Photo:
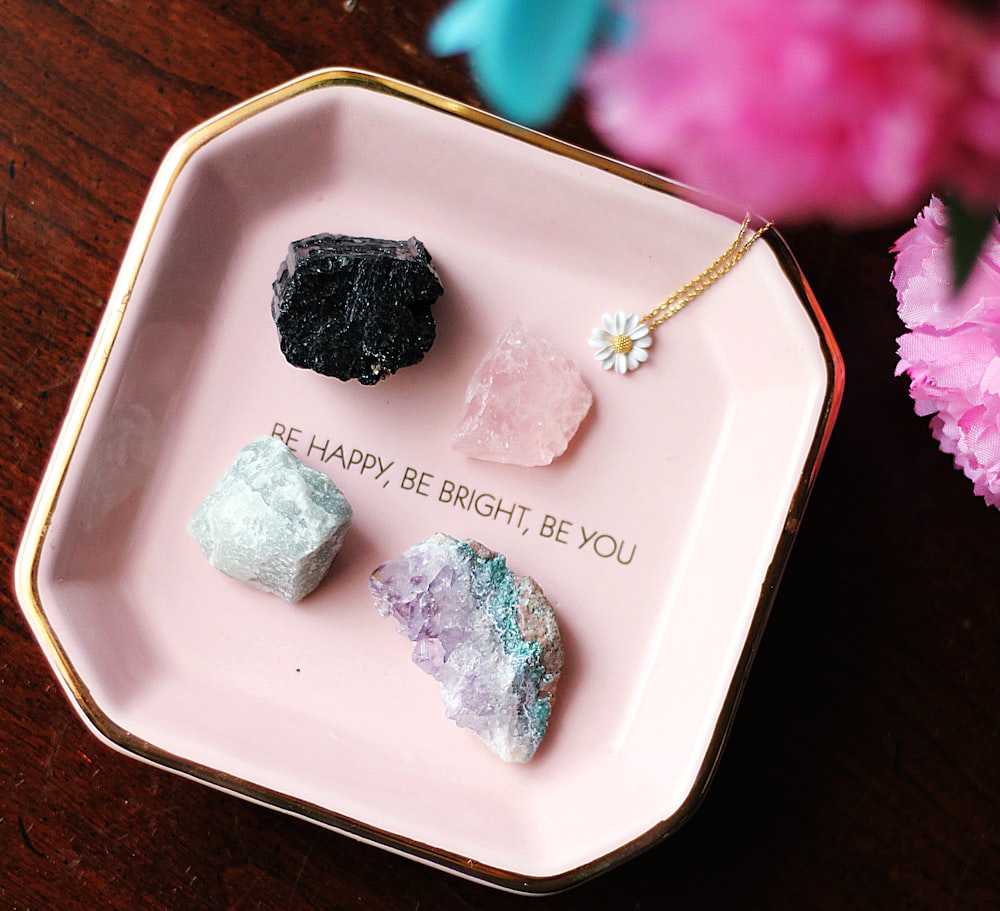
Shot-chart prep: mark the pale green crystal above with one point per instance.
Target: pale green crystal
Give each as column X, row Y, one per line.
column 272, row 522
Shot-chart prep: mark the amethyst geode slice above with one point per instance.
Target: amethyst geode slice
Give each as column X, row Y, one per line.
column 355, row 307
column 488, row 636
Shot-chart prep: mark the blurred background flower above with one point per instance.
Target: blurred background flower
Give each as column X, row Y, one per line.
column 798, row 109
column 526, row 55
column 847, row 110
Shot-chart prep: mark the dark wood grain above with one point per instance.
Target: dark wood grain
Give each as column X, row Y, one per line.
column 862, row 768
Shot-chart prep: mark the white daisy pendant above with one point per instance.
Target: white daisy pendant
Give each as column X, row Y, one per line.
column 622, row 342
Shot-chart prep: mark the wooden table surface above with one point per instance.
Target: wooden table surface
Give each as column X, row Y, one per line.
column 862, row 768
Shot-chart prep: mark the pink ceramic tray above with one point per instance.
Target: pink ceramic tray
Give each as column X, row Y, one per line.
column 659, row 537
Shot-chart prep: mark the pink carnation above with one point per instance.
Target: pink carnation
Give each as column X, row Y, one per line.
column 851, row 109
column 952, row 351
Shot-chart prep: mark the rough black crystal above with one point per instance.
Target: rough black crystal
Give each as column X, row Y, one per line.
column 355, row 307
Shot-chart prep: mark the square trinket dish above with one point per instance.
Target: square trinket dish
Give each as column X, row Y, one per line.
column 659, row 537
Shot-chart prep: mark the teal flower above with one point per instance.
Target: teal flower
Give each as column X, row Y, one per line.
column 524, row 54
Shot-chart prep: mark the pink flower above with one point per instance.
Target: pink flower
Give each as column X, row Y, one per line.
column 850, row 109
column 952, row 351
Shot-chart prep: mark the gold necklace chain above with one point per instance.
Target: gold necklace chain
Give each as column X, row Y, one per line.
column 683, row 296
column 623, row 340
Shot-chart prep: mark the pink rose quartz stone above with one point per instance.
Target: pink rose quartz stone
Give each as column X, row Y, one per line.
column 524, row 404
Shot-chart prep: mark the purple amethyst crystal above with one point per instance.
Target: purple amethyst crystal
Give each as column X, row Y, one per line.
column 488, row 636
column 355, row 307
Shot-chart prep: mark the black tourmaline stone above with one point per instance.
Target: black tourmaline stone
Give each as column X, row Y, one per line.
column 355, row 307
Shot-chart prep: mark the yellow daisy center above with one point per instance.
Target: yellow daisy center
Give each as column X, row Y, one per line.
column 621, row 344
